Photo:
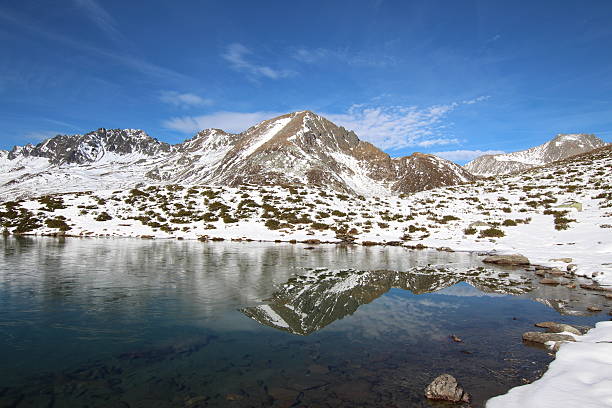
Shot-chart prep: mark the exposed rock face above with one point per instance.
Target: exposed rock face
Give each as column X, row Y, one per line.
column 515, row 259
column 561, row 147
column 420, row 171
column 446, row 388
column 296, row 148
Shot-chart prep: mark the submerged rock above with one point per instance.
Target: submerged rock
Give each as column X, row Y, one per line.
column 553, row 327
column 514, row 259
column 566, row 260
column 446, row 388
column 556, row 272
column 549, row 281
column 539, row 337
column 595, row 287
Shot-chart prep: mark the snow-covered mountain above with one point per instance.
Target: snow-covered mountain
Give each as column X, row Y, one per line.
column 296, row 148
column 561, row 147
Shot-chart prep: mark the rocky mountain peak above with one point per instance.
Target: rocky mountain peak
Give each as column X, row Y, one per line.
column 295, row 148
column 560, row 147
column 92, row 146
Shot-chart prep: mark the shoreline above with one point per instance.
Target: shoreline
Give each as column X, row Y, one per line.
column 498, row 401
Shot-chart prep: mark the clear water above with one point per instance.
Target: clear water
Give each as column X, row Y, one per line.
column 130, row 323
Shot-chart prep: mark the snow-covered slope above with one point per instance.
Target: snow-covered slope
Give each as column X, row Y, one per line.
column 562, row 210
column 580, row 376
column 561, row 147
column 296, row 148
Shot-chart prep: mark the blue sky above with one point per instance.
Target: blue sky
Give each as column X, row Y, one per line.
column 458, row 77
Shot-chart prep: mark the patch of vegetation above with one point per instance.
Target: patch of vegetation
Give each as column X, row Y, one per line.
column 470, row 231
column 491, row 233
column 57, row 222
column 319, row 226
column 560, row 219
column 52, row 203
column 272, row 224
column 27, row 224
column 103, row 216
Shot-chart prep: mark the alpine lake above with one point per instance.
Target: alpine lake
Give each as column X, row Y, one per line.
column 167, row 323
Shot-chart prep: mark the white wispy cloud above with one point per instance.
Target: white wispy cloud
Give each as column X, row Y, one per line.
column 476, row 100
column 343, row 56
column 311, row 56
column 183, row 100
column 465, row 155
column 40, row 135
column 237, row 55
column 389, row 128
column 437, row 142
column 397, row 127
column 234, row 122
column 101, row 18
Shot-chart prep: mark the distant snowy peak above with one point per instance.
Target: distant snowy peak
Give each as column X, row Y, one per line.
column 93, row 147
column 560, row 147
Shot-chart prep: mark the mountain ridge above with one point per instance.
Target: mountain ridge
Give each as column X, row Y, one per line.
column 299, row 147
column 560, row 147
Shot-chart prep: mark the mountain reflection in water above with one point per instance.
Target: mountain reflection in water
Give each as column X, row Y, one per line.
column 307, row 303
column 125, row 322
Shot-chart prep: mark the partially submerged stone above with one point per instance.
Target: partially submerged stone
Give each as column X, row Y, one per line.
column 556, row 272
column 514, row 259
column 542, row 338
column 446, row 388
column 549, row 281
column 565, row 260
column 595, row 287
column 553, row 327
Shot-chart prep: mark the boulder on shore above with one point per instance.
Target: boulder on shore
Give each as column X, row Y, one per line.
column 514, row 259
column 446, row 388
column 539, row 337
column 553, row 327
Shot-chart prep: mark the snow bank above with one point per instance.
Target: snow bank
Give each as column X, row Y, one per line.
column 580, row 376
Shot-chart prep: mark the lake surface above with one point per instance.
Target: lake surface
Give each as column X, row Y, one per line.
column 137, row 323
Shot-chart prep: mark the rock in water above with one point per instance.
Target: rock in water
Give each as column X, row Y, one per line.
column 515, row 259
column 539, row 337
column 446, row 388
column 554, row 327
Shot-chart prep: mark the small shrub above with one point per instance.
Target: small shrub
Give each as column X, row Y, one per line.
column 272, row 224
column 491, row 233
column 103, row 216
column 57, row 222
